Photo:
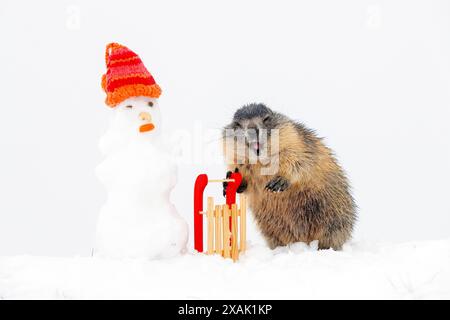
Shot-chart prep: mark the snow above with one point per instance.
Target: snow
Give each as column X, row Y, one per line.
column 138, row 219
column 415, row 270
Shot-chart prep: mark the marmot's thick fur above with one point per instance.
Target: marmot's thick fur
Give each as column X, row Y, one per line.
column 308, row 198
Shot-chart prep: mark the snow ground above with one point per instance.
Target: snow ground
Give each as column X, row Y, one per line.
column 416, row 270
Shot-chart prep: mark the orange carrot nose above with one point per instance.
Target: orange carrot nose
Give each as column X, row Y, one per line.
column 145, row 116
column 146, row 127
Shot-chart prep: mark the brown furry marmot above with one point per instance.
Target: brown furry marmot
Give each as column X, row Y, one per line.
column 307, row 198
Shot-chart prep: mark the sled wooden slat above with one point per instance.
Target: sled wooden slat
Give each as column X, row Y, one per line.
column 226, row 231
column 234, row 233
column 218, row 230
column 221, row 180
column 243, row 223
column 210, row 219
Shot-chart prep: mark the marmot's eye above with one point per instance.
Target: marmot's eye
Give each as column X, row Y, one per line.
column 129, row 106
column 237, row 125
column 150, row 104
column 266, row 119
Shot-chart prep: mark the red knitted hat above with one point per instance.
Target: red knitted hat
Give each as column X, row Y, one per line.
column 126, row 76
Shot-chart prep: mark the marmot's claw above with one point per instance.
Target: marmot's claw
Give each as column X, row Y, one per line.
column 277, row 184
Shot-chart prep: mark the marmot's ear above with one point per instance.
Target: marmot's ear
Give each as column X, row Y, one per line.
column 269, row 111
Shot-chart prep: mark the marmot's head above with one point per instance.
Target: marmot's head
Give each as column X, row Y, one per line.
column 251, row 129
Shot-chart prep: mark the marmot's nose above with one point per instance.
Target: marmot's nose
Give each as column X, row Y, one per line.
column 145, row 116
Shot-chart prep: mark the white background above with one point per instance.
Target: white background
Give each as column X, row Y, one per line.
column 372, row 77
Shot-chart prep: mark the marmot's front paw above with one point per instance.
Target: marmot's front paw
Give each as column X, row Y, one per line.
column 242, row 187
column 277, row 184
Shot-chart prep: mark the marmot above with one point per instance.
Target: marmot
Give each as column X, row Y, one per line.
column 308, row 198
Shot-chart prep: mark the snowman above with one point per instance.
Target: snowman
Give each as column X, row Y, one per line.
column 138, row 220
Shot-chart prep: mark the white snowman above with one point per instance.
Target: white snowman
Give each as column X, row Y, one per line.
column 138, row 220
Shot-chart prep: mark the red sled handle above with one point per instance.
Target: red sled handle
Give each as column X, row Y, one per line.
column 232, row 188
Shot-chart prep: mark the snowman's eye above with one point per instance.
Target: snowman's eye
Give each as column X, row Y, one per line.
column 129, row 106
column 150, row 104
